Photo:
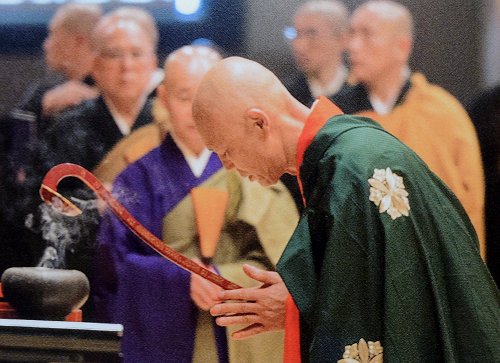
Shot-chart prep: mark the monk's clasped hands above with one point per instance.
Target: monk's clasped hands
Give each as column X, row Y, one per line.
column 260, row 309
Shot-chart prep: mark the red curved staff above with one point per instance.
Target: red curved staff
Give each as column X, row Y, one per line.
column 49, row 194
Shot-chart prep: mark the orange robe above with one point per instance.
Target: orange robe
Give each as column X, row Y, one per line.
column 436, row 126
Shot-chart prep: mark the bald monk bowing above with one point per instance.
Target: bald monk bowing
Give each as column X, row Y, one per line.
column 384, row 263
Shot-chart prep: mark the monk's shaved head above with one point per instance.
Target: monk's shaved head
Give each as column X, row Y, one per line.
column 189, row 60
column 335, row 12
column 183, row 71
column 246, row 115
column 396, row 16
column 380, row 44
column 237, row 84
column 193, row 57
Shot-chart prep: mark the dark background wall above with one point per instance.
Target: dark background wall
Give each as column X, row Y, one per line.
column 451, row 36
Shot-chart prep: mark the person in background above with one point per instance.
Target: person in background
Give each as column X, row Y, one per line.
column 134, row 146
column 142, row 140
column 318, row 41
column 125, row 59
column 384, row 263
column 424, row 116
column 149, row 25
column 162, row 307
column 69, row 57
column 484, row 111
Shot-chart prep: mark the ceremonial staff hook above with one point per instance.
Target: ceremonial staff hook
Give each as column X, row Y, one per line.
column 49, row 194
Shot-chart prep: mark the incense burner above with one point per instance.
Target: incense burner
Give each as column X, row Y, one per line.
column 41, row 293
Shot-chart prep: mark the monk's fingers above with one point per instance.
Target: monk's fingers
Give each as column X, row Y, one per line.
column 248, row 332
column 237, row 319
column 249, row 294
column 203, row 293
column 203, row 301
column 229, row 308
column 202, row 304
column 265, row 277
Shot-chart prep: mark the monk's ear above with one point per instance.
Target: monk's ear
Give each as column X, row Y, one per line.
column 258, row 118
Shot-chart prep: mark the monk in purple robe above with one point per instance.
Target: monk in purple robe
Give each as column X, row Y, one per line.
column 164, row 309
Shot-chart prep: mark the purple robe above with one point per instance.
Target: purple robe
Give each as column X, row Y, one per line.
column 136, row 287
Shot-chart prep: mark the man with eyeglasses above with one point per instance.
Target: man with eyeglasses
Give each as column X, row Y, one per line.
column 124, row 42
column 125, row 60
column 136, row 287
column 318, row 41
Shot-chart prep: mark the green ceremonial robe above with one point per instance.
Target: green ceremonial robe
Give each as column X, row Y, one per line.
column 416, row 284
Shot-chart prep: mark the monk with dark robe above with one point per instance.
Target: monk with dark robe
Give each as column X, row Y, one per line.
column 384, row 264
column 318, row 41
column 134, row 146
column 164, row 309
column 68, row 56
column 124, row 42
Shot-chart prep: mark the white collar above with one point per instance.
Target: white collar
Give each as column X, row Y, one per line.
column 384, row 108
column 197, row 164
column 120, row 121
column 381, row 107
column 332, row 87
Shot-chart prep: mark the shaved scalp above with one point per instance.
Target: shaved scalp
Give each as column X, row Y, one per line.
column 237, row 84
column 187, row 60
column 193, row 57
column 393, row 12
column 332, row 10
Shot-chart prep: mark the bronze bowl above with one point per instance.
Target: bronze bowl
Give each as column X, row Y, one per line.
column 42, row 293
